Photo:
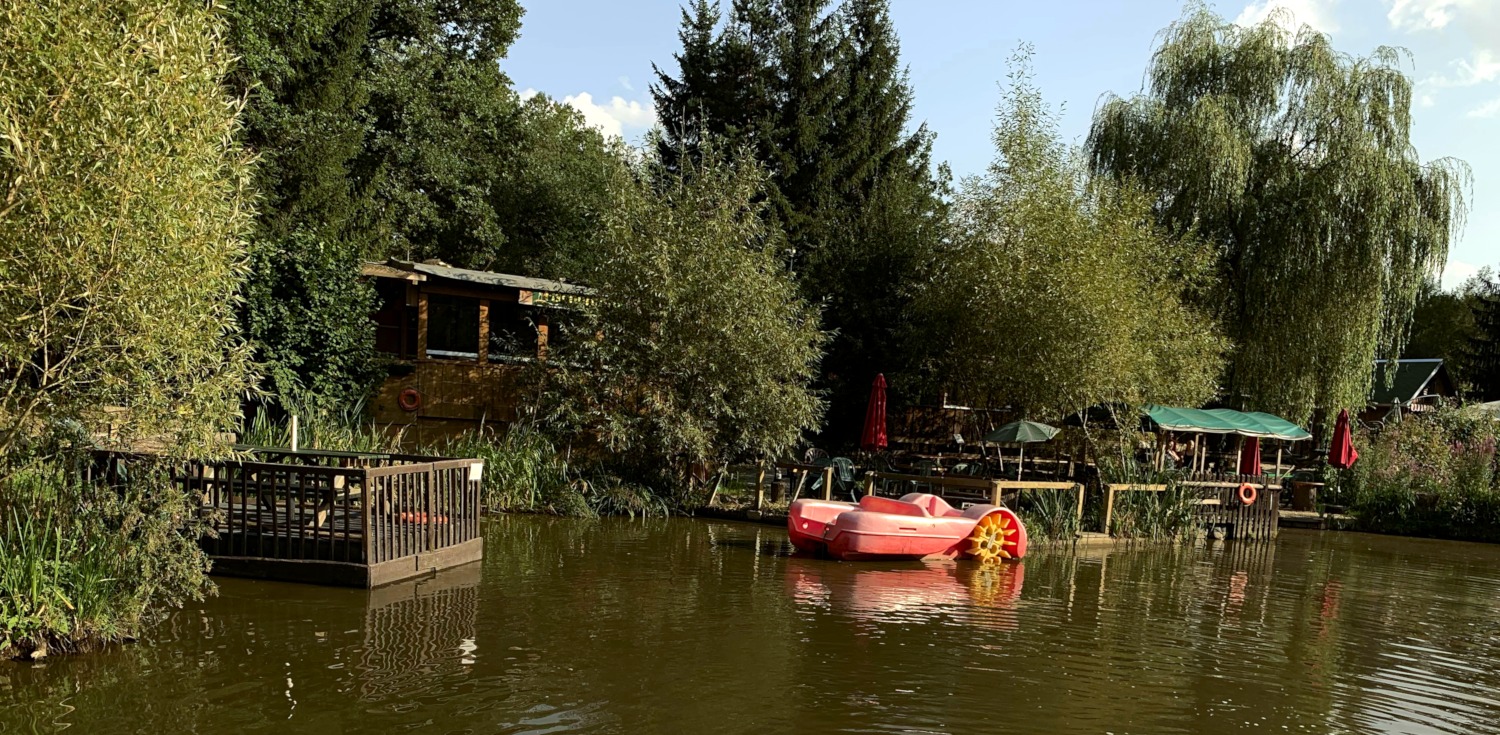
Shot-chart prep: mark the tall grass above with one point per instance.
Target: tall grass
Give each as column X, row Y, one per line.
column 1143, row 514
column 525, row 472
column 82, row 564
column 1049, row 515
column 341, row 428
column 524, row 469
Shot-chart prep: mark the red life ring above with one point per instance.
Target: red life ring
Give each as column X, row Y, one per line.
column 409, row 400
column 1248, row 494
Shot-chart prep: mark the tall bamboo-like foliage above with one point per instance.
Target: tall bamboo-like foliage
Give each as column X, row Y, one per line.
column 1296, row 161
column 1058, row 295
column 698, row 347
column 123, row 212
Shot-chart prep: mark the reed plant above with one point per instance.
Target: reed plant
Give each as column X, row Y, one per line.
column 83, row 563
column 341, row 428
column 1048, row 515
column 1156, row 515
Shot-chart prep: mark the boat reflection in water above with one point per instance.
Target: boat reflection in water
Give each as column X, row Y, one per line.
column 916, row 592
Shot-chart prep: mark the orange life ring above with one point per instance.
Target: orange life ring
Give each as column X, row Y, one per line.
column 1248, row 494
column 409, row 400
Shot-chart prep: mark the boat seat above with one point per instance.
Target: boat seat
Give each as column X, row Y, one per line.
column 877, row 504
column 934, row 505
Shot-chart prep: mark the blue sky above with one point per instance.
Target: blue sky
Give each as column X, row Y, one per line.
column 597, row 55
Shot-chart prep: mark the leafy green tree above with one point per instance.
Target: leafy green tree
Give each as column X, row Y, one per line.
column 1296, row 162
column 553, row 191
column 124, row 206
column 302, row 67
column 1058, row 295
column 698, row 347
column 124, row 212
column 1442, row 326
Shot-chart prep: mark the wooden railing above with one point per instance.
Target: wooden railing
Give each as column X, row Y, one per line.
column 969, row 489
column 799, row 470
column 327, row 507
column 416, row 508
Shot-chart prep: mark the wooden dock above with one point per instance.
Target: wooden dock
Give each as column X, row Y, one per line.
column 338, row 518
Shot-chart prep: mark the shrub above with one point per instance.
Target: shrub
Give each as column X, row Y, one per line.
column 83, row 563
column 1428, row 476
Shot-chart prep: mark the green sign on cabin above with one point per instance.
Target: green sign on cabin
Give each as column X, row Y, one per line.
column 553, row 300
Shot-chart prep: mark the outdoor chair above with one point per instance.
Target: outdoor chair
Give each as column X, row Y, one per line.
column 843, row 478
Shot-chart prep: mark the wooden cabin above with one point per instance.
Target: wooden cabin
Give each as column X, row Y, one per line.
column 457, row 340
column 1408, row 386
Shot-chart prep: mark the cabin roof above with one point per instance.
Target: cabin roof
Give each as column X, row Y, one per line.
column 417, row 272
column 1410, row 379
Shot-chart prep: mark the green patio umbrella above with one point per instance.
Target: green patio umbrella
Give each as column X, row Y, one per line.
column 1021, row 432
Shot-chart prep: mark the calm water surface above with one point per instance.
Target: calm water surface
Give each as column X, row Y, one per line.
column 687, row 626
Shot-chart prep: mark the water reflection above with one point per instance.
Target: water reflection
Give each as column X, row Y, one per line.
column 260, row 652
column 915, row 592
column 686, row 626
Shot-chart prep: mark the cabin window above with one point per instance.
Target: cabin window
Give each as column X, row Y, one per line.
column 395, row 320
column 452, row 327
column 512, row 332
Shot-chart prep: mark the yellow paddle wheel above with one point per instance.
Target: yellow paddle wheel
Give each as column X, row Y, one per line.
column 997, row 537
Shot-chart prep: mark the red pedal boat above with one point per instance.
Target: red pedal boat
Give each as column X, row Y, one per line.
column 917, row 526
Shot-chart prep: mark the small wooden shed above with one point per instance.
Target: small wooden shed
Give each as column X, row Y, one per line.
column 457, row 340
column 1407, row 386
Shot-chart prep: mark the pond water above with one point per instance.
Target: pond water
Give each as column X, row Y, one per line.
column 683, row 626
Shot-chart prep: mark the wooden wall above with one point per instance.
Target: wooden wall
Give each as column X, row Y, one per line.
column 456, row 397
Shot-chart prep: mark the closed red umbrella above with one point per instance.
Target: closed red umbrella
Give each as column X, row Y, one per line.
column 873, row 438
column 1341, row 453
column 1250, row 457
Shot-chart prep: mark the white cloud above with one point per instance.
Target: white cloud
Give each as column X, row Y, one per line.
column 1421, row 15
column 1483, row 67
column 1457, row 272
column 625, row 82
column 614, row 117
column 1488, row 109
column 1426, row 100
column 1315, row 13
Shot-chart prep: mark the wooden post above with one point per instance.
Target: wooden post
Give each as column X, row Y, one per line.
column 421, row 326
column 1109, row 506
column 1279, row 445
column 828, row 482
column 543, row 330
column 801, row 480
column 869, row 483
column 760, row 486
column 1079, row 487
column 994, row 492
column 484, row 331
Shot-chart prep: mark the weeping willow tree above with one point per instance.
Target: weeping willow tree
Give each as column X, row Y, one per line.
column 1059, row 294
column 1296, row 161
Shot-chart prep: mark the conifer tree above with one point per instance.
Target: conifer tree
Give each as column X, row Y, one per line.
column 820, row 98
column 1483, row 354
column 684, row 106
